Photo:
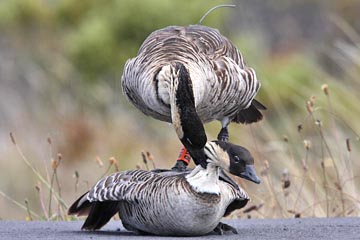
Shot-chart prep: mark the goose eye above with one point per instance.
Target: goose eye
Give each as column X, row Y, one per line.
column 237, row 159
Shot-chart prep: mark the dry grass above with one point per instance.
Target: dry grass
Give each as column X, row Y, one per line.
column 310, row 175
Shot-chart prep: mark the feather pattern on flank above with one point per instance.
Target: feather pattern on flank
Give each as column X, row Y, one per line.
column 185, row 204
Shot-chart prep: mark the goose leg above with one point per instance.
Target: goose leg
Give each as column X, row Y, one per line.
column 223, row 228
column 224, row 133
column 182, row 161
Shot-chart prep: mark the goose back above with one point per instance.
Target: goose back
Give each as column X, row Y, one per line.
column 221, row 82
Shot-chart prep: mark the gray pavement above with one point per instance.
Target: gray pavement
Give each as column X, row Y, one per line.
column 309, row 228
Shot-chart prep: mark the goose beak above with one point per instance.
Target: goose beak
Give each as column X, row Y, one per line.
column 250, row 174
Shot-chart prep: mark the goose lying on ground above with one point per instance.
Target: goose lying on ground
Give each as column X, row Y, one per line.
column 183, row 204
column 222, row 86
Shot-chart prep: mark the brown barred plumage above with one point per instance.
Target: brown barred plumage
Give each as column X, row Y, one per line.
column 169, row 203
column 223, row 86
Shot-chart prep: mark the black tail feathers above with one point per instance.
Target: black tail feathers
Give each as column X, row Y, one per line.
column 250, row 114
column 99, row 213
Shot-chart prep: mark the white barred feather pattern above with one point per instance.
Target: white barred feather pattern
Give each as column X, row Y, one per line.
column 165, row 203
column 222, row 84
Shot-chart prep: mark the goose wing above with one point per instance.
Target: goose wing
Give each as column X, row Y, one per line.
column 102, row 201
column 119, row 186
column 126, row 185
column 233, row 81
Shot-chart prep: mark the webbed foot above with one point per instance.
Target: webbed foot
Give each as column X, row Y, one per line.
column 223, row 228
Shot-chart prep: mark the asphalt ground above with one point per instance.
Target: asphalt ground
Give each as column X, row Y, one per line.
column 307, row 228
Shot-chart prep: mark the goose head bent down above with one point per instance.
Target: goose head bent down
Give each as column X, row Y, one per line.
column 189, row 128
column 221, row 86
column 185, row 204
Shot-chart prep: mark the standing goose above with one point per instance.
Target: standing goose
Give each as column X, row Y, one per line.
column 182, row 204
column 220, row 86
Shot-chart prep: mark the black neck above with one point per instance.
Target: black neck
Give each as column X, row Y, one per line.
column 194, row 137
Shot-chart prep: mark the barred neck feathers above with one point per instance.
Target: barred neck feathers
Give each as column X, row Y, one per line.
column 207, row 180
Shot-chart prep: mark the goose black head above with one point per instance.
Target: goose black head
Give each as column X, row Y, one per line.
column 241, row 162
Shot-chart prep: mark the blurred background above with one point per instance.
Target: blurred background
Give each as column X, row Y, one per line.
column 61, row 63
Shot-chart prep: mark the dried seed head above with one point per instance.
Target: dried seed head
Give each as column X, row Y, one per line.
column 285, row 179
column 76, row 174
column 322, row 164
column 307, row 144
column 37, row 187
column 286, row 184
column 49, row 140
column 59, row 156
column 309, row 107
column 138, row 166
column 113, row 161
column 285, row 138
column 99, row 162
column 144, row 157
column 296, row 214
column 312, row 100
column 325, row 89
column 318, row 122
column 299, row 128
column 338, row 186
column 348, row 145
column 149, row 156
column 54, row 164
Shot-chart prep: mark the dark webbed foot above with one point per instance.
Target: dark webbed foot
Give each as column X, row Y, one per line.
column 223, row 135
column 223, row 228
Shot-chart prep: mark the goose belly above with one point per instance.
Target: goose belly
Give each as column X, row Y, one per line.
column 177, row 217
column 211, row 102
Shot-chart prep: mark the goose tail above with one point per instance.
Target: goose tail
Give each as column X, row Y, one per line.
column 251, row 114
column 81, row 207
column 99, row 213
